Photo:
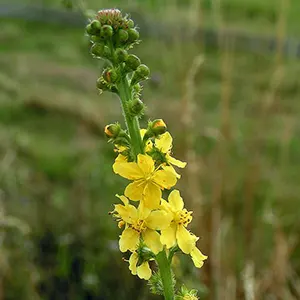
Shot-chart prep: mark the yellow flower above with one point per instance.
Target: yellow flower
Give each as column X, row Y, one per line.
column 147, row 181
column 177, row 231
column 164, row 145
column 142, row 223
column 143, row 271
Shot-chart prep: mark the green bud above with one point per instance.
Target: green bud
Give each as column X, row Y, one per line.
column 133, row 62
column 122, row 35
column 130, row 23
column 97, row 50
column 106, row 31
column 121, row 55
column 142, row 72
column 155, row 128
column 133, row 35
column 106, row 52
column 136, row 107
column 89, row 29
column 96, row 39
column 112, row 130
column 110, row 76
column 96, row 26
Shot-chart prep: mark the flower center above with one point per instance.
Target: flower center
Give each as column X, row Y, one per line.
column 183, row 217
column 139, row 226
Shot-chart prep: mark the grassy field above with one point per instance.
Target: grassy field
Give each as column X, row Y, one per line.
column 235, row 117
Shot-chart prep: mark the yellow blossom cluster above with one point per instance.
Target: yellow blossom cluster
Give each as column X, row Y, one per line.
column 150, row 221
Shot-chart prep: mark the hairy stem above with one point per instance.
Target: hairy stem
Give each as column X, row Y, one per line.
column 166, row 275
column 132, row 123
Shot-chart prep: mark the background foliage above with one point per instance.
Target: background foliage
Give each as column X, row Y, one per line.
column 230, row 96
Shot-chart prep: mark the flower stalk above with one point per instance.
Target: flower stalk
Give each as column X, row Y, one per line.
column 166, row 275
column 132, row 122
column 152, row 228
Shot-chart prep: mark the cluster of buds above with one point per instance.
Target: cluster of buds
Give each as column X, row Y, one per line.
column 112, row 35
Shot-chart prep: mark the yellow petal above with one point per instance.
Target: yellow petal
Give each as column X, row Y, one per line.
column 144, row 211
column 168, row 236
column 175, row 201
column 144, row 271
column 133, row 259
column 123, row 199
column 146, row 164
column 164, row 142
column 158, row 219
column 134, row 190
column 129, row 170
column 197, row 257
column 128, row 213
column 185, row 239
column 152, row 240
column 165, row 178
column 165, row 206
column 151, row 195
column 175, row 162
column 129, row 240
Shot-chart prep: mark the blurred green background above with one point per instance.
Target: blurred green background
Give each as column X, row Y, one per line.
column 225, row 78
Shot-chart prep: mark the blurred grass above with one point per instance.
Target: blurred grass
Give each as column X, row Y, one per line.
column 59, row 179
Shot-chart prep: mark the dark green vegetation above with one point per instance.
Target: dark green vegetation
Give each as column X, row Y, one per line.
column 55, row 164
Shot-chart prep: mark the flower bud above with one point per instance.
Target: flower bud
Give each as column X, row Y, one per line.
column 136, row 107
column 157, row 127
column 96, row 26
column 121, row 55
column 122, row 35
column 142, row 72
column 97, row 49
column 93, row 28
column 130, row 23
column 133, row 35
column 133, row 62
column 110, row 76
column 112, row 130
column 106, row 32
column 96, row 39
column 106, row 52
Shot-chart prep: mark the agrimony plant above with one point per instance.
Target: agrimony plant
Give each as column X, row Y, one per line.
column 153, row 229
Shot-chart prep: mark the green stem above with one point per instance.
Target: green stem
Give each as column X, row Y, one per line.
column 166, row 275
column 132, row 123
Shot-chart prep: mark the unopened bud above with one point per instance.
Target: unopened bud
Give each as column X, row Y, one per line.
column 122, row 35
column 106, row 31
column 96, row 39
column 142, row 72
column 110, row 76
column 121, row 55
column 96, row 25
column 112, row 130
column 133, row 35
column 157, row 127
column 97, row 49
column 136, row 107
column 130, row 23
column 93, row 28
column 133, row 62
column 106, row 52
